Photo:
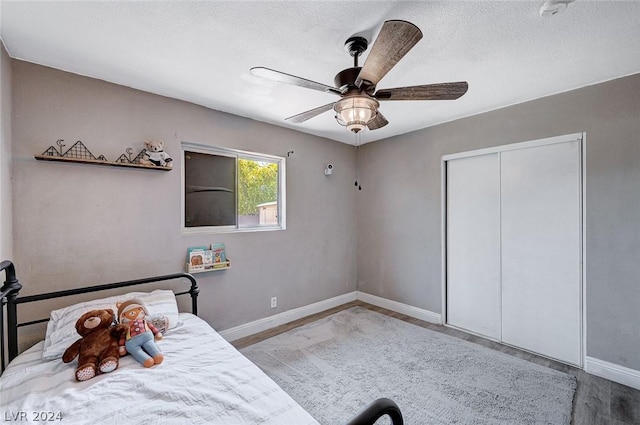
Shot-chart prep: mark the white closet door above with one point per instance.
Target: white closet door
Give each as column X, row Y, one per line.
column 541, row 289
column 473, row 244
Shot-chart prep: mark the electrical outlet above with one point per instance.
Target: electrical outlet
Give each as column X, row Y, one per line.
column 274, row 302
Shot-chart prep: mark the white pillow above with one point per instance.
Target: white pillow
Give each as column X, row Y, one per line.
column 61, row 329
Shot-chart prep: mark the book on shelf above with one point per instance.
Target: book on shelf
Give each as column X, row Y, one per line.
column 196, row 257
column 219, row 254
column 207, row 259
column 195, row 248
column 220, row 265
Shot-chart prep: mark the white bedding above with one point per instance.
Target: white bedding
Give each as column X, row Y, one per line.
column 203, row 380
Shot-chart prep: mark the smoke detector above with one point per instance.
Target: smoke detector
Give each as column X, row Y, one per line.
column 553, row 7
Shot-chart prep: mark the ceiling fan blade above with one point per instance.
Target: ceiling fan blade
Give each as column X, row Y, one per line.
column 310, row 113
column 442, row 91
column 396, row 38
column 281, row 77
column 378, row 122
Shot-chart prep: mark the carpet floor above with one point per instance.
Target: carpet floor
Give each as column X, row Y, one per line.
column 337, row 365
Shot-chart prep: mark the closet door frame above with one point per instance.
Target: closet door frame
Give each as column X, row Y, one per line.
column 581, row 138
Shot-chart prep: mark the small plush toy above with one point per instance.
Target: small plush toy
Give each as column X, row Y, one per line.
column 161, row 323
column 140, row 336
column 97, row 350
column 155, row 155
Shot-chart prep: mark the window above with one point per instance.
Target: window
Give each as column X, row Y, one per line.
column 228, row 190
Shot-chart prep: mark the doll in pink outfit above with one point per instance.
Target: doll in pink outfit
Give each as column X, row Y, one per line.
column 140, row 338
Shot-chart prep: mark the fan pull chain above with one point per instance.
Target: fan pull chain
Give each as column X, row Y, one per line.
column 358, row 160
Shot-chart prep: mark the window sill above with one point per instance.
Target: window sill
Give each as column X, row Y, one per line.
column 213, row 230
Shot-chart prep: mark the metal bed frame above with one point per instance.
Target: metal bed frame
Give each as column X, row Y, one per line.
column 9, row 302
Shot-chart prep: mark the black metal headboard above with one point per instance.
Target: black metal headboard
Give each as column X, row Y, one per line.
column 9, row 299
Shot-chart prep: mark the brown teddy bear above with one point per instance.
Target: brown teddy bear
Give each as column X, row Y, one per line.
column 97, row 350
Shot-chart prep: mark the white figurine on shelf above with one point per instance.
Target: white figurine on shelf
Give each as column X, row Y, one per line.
column 155, row 155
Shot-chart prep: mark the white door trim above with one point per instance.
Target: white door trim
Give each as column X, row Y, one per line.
column 515, row 146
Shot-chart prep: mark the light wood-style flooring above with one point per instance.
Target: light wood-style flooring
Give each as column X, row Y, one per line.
column 597, row 401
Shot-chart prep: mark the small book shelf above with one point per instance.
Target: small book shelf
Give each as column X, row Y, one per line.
column 207, row 258
column 209, row 268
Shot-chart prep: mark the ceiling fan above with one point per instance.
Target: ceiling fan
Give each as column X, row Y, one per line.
column 359, row 103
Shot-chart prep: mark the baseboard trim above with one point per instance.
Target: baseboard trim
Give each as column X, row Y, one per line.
column 418, row 313
column 613, row 372
column 261, row 325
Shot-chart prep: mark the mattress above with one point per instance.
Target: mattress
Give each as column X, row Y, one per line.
column 203, row 380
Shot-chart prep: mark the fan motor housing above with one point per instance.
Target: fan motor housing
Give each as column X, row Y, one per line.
column 345, row 80
column 346, row 77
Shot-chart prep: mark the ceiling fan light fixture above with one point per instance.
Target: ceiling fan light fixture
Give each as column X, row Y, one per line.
column 355, row 112
column 357, row 86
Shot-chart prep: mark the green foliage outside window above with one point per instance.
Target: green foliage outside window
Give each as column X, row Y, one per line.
column 257, row 184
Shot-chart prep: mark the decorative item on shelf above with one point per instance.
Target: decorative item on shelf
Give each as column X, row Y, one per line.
column 126, row 158
column 155, row 155
column 207, row 258
column 78, row 151
column 81, row 154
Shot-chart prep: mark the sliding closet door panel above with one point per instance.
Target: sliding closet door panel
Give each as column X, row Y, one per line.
column 541, row 289
column 473, row 244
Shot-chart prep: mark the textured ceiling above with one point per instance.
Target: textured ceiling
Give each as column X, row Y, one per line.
column 201, row 52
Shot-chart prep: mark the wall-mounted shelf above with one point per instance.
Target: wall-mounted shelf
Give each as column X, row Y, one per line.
column 99, row 162
column 211, row 268
column 80, row 154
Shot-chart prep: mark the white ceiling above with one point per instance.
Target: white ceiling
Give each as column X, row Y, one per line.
column 202, row 51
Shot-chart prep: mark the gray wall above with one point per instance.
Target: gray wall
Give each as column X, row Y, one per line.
column 6, row 240
column 78, row 225
column 399, row 245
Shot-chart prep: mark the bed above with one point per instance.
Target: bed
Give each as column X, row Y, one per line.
column 203, row 378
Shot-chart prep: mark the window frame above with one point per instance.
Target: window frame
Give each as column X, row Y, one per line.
column 234, row 153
